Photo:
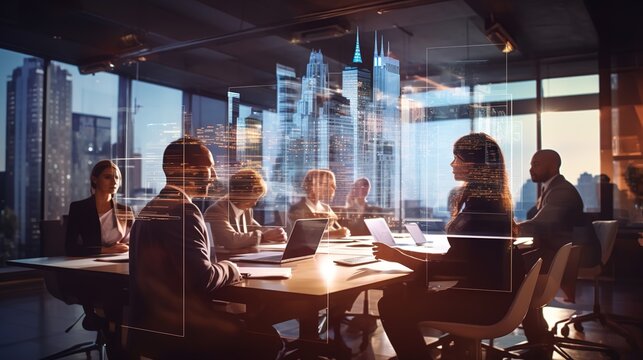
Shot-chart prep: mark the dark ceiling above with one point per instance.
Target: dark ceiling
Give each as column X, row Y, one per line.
column 207, row 46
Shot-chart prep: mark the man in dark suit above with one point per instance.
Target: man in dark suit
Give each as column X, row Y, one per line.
column 557, row 219
column 172, row 279
column 231, row 219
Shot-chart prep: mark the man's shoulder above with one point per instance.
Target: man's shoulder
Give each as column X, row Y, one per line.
column 82, row 203
column 560, row 184
column 217, row 209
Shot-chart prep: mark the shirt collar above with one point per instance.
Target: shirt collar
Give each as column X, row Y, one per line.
column 314, row 207
column 546, row 183
column 237, row 212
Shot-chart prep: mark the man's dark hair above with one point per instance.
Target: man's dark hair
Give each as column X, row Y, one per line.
column 186, row 151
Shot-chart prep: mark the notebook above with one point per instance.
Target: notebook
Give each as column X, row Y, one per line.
column 302, row 244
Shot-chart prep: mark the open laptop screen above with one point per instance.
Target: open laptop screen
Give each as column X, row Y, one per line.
column 305, row 237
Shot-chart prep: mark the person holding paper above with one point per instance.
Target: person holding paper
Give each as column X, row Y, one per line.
column 319, row 185
column 231, row 219
column 482, row 207
column 173, row 280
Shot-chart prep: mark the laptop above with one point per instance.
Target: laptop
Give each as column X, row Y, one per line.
column 302, row 244
column 417, row 235
column 382, row 233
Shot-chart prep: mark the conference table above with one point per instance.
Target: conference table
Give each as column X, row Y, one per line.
column 318, row 283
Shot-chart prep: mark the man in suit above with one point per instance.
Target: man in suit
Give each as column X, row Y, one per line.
column 319, row 186
column 557, row 219
column 231, row 219
column 173, row 281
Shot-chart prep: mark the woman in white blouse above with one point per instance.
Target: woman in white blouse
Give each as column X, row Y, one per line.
column 98, row 224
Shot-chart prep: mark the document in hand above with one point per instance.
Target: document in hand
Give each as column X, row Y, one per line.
column 265, row 272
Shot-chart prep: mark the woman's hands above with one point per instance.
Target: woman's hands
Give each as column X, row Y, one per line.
column 384, row 252
column 342, row 232
column 115, row 249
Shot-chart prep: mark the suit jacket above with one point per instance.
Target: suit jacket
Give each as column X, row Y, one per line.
column 559, row 220
column 224, row 227
column 170, row 269
column 83, row 236
column 300, row 210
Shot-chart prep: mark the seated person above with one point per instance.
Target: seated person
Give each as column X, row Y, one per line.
column 482, row 207
column 357, row 208
column 319, row 186
column 98, row 225
column 173, row 282
column 233, row 225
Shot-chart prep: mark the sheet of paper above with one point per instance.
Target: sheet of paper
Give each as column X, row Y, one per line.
column 266, row 272
column 124, row 257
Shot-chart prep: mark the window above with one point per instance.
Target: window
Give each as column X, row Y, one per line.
column 580, row 153
column 21, row 115
column 81, row 121
column 157, row 115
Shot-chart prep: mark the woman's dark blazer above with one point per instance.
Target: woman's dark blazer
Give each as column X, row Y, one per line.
column 83, row 227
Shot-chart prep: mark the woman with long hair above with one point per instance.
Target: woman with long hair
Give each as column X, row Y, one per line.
column 481, row 206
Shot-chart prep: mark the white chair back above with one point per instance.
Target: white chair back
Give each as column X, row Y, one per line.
column 548, row 284
column 606, row 232
column 507, row 324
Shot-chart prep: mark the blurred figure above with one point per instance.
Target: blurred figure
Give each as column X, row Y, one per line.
column 172, row 280
column 319, row 186
column 482, row 206
column 231, row 219
column 357, row 208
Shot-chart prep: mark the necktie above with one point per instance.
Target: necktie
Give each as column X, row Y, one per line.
column 243, row 221
column 539, row 203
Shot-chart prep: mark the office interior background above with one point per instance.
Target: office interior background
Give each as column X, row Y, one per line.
column 370, row 89
column 376, row 89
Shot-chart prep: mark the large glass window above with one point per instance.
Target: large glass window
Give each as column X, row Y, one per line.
column 81, row 120
column 157, row 115
column 21, row 116
column 580, row 153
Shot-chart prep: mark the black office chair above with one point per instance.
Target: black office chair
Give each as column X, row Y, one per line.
column 53, row 238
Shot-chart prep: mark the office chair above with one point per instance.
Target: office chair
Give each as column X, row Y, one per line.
column 473, row 334
column 546, row 289
column 606, row 232
column 53, row 238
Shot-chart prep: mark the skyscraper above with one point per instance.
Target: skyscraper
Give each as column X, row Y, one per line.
column 356, row 87
column 90, row 143
column 25, row 96
column 58, row 160
column 341, row 148
column 250, row 141
column 383, row 128
column 288, row 170
column 312, row 112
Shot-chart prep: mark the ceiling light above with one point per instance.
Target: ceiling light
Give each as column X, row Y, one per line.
column 501, row 38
